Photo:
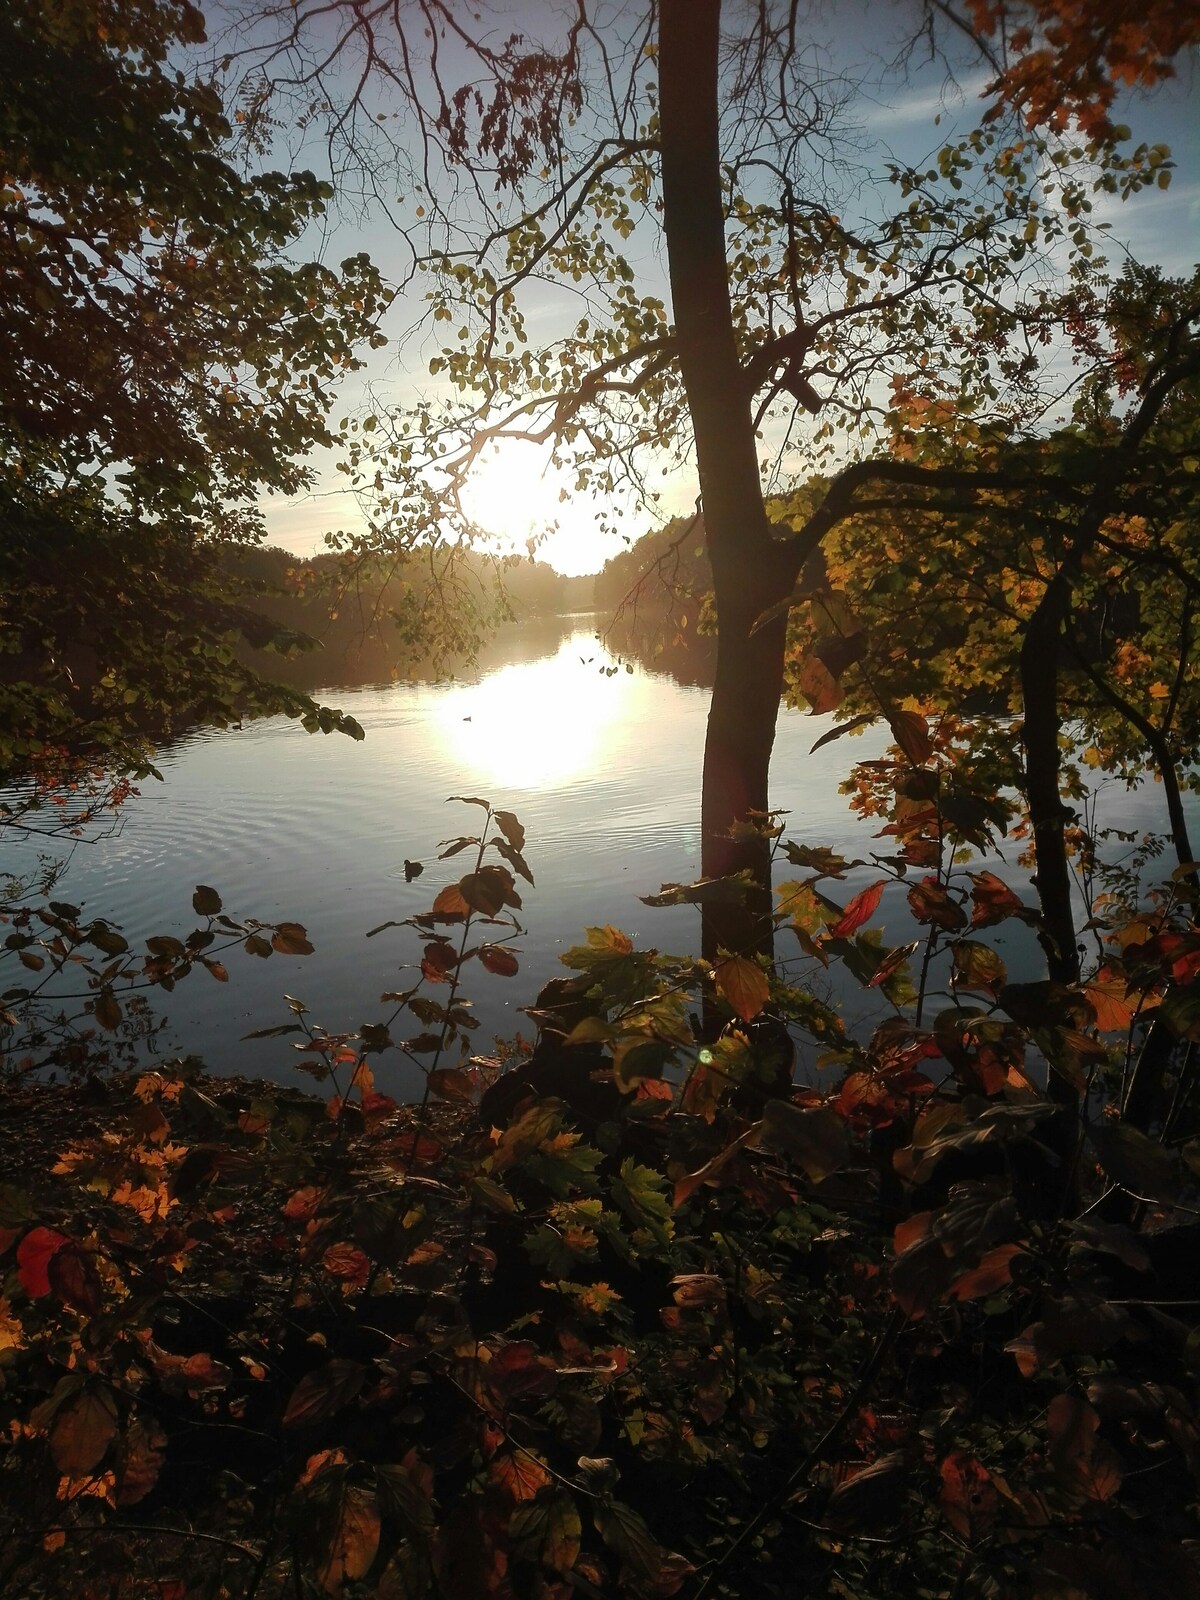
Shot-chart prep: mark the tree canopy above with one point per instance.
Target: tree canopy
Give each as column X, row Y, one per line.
column 166, row 359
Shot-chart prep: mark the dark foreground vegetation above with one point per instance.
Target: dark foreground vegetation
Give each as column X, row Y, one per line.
column 627, row 1312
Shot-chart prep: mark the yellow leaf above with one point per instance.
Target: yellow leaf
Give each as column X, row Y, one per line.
column 743, row 983
column 354, row 1542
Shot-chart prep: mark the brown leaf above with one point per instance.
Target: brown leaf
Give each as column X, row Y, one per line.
column 518, row 1474
column 563, row 1530
column 322, row 1392
column 992, row 900
column 107, row 1009
column 140, row 1461
column 449, row 905
column 992, row 1273
column 82, row 1431
column 489, row 890
column 347, row 1262
column 1084, row 1464
column 872, row 1499
column 291, row 939
column 743, row 984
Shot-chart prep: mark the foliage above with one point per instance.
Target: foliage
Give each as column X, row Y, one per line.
column 649, row 1321
column 165, row 362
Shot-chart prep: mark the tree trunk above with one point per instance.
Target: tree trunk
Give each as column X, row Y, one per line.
column 751, row 570
column 1039, row 693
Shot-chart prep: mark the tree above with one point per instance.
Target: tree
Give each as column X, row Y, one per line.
column 792, row 306
column 164, row 361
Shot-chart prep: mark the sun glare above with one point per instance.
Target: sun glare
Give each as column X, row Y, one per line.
column 540, row 724
column 515, row 496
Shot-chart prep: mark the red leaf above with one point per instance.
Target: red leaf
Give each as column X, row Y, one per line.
column 861, row 909
column 930, row 902
column 969, row 1499
column 496, row 958
column 34, row 1254
column 72, row 1275
column 992, row 900
column 911, row 733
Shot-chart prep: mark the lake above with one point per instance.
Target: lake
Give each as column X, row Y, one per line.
column 602, row 769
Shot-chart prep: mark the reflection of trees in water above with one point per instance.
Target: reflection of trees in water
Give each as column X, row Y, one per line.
column 406, row 621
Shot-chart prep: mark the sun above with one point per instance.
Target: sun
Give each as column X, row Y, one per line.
column 517, row 494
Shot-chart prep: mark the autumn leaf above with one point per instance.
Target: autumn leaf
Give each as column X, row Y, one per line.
column 930, row 902
column 353, row 1541
column 449, row 906
column 140, row 1460
column 347, row 1262
column 107, row 1009
column 1107, row 993
column 873, row 1499
column 82, row 1431
column 33, row 1259
column 72, row 1276
column 992, row 900
column 911, row 733
column 968, row 1498
column 814, row 1136
column 861, row 909
column 322, row 1392
column 518, row 1474
column 560, row 1551
column 496, row 958
column 977, row 966
column 206, row 902
column 818, row 686
column 291, row 939
column 1084, row 1464
column 742, row 983
column 489, row 890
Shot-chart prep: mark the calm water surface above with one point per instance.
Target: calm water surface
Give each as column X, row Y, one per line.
column 602, row 770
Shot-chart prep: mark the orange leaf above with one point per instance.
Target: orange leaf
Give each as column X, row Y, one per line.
column 1107, row 992
column 742, row 983
column 347, row 1262
column 450, row 905
column 519, row 1475
column 992, row 1273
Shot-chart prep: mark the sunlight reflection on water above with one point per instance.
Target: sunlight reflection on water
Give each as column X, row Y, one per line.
column 602, row 770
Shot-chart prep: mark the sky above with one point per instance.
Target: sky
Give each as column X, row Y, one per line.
column 514, row 495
